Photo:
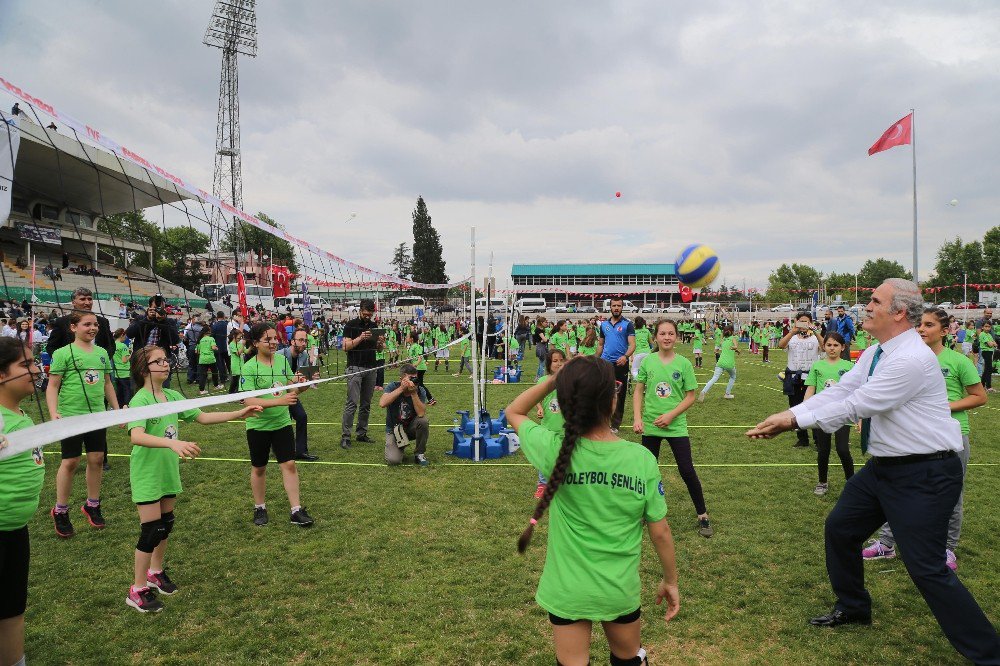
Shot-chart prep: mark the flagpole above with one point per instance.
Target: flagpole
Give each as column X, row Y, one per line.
column 913, row 146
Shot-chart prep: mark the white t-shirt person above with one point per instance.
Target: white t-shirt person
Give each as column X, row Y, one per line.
column 802, row 352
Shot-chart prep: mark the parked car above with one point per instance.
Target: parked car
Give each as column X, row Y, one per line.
column 675, row 309
column 966, row 305
column 784, row 307
column 561, row 309
column 647, row 309
column 445, row 308
column 589, row 309
column 947, row 305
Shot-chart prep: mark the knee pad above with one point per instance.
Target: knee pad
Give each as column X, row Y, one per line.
column 168, row 523
column 638, row 660
column 150, row 535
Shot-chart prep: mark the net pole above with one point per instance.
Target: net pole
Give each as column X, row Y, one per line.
column 475, row 352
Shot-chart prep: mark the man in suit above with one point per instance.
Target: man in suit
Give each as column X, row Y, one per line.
column 913, row 478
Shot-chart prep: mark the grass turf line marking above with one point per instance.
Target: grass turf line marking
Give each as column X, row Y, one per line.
column 445, row 425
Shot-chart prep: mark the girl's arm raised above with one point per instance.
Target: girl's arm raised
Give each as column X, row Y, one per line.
column 211, row 418
column 517, row 411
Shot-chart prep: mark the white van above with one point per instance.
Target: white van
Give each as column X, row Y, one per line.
column 496, row 304
column 295, row 302
column 526, row 305
column 627, row 306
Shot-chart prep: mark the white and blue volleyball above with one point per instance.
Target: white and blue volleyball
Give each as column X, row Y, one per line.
column 697, row 265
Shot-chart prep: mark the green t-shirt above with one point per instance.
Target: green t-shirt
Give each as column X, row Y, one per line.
column 122, row 351
column 310, row 341
column 666, row 384
column 581, row 332
column 959, row 372
column 559, row 341
column 463, row 348
column 595, row 523
column 83, row 373
column 257, row 375
column 698, row 340
column 642, row 339
column 442, row 338
column 727, row 359
column 390, row 340
column 206, row 355
column 513, row 344
column 861, row 339
column 823, row 374
column 586, row 351
column 21, row 477
column 552, row 418
column 986, row 341
column 416, row 353
column 155, row 472
column 235, row 359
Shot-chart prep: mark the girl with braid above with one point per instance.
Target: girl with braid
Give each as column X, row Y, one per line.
column 601, row 489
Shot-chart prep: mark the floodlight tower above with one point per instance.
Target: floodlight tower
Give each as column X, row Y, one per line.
column 233, row 29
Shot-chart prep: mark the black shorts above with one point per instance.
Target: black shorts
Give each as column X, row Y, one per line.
column 170, row 496
column 628, row 618
column 95, row 441
column 262, row 442
column 14, row 551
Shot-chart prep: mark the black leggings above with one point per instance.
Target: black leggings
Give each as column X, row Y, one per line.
column 203, row 370
column 987, row 368
column 681, row 448
column 842, row 438
column 420, row 382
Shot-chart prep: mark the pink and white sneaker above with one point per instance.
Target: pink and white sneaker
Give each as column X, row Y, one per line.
column 950, row 559
column 878, row 551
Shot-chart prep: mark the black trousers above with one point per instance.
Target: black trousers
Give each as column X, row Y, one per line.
column 796, row 392
column 917, row 499
column 622, row 374
column 298, row 413
column 681, row 448
column 842, row 440
column 987, row 368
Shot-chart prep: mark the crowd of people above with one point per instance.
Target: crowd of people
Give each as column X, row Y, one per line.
column 585, row 369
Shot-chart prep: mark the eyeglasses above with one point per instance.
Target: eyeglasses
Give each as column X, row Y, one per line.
column 159, row 361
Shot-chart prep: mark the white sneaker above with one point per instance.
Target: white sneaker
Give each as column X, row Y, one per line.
column 202, row 392
column 729, row 396
column 821, row 489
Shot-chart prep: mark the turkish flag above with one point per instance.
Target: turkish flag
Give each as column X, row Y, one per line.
column 686, row 294
column 241, row 292
column 899, row 134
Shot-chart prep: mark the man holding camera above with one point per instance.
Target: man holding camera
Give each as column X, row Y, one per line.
column 360, row 345
column 156, row 329
column 405, row 405
column 803, row 343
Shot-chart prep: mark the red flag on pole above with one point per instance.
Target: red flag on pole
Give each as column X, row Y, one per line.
column 900, row 134
column 241, row 292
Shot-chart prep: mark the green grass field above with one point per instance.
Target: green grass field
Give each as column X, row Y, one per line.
column 416, row 565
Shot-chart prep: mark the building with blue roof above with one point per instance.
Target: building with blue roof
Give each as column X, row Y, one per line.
column 590, row 284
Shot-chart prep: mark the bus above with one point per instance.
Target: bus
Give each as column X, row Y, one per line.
column 256, row 295
column 408, row 305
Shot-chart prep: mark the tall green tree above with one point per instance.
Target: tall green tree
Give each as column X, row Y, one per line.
column 428, row 255
column 991, row 256
column 402, row 261
column 876, row 271
column 179, row 243
column 955, row 260
column 133, row 226
column 245, row 237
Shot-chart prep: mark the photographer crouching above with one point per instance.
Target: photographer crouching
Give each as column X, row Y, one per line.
column 405, row 405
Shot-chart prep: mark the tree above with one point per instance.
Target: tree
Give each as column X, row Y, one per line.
column 179, row 244
column 243, row 237
column 955, row 260
column 402, row 261
column 875, row 271
column 991, row 256
column 428, row 260
column 133, row 226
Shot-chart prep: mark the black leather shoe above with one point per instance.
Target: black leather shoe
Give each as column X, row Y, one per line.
column 837, row 618
column 363, row 438
column 306, row 456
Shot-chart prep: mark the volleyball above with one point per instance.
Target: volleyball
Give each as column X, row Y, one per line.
column 697, row 265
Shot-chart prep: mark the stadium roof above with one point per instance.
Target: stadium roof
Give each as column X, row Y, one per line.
column 592, row 269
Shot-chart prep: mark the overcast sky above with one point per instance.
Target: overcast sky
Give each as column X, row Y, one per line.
column 746, row 129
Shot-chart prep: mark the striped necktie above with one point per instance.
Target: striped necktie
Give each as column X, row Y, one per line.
column 866, row 424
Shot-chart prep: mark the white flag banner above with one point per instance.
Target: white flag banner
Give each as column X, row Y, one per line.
column 10, row 140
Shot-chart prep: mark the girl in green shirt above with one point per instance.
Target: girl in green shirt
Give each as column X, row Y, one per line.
column 824, row 373
column 236, row 349
column 465, row 354
column 588, row 344
column 419, row 360
column 559, row 340
column 154, row 472
column 123, row 383
column 602, row 490
column 643, row 338
column 698, row 341
column 206, row 360
column 548, row 408
column 21, row 478
column 725, row 361
column 664, row 391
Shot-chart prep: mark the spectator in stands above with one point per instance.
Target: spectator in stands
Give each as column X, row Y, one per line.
column 6, row 330
column 220, row 331
column 65, row 263
column 58, row 275
column 21, row 263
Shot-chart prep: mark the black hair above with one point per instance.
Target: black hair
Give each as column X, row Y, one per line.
column 836, row 337
column 941, row 315
column 407, row 369
column 257, row 331
column 640, row 322
column 12, row 350
column 551, row 357
column 803, row 313
column 585, row 389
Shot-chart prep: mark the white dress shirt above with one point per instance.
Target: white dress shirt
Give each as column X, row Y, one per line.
column 802, row 352
column 905, row 398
